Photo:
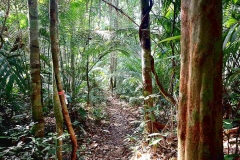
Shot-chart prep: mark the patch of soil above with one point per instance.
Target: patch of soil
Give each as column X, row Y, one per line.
column 107, row 140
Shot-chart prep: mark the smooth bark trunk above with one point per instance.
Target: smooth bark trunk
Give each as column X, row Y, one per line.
column 36, row 84
column 200, row 97
column 144, row 35
column 113, row 55
column 55, row 57
column 59, row 118
column 73, row 71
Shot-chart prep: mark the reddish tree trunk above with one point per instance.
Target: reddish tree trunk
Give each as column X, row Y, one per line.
column 200, row 97
column 55, row 57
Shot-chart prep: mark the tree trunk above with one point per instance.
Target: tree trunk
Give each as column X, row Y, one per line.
column 172, row 44
column 87, row 64
column 113, row 55
column 59, row 118
column 144, row 35
column 99, row 14
column 55, row 57
column 200, row 97
column 36, row 89
column 73, row 71
column 88, row 83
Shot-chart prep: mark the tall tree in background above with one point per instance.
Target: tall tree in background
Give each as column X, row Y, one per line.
column 73, row 68
column 55, row 56
column 144, row 35
column 36, row 95
column 113, row 55
column 200, row 97
column 88, row 58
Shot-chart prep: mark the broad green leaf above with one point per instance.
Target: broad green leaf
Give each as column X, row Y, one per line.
column 171, row 39
column 227, row 126
column 230, row 22
column 235, row 1
column 231, row 156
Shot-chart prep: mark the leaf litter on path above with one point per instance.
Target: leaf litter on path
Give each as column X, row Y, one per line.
column 107, row 140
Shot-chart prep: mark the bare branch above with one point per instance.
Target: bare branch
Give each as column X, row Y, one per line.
column 121, row 11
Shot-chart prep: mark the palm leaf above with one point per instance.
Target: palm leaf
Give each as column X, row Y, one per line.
column 171, row 39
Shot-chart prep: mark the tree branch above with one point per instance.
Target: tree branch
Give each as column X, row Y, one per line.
column 121, row 11
column 160, row 86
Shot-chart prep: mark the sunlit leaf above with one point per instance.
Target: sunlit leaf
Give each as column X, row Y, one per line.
column 155, row 141
column 170, row 39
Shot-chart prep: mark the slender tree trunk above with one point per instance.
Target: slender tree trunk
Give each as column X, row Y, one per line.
column 172, row 79
column 55, row 57
column 88, row 83
column 144, row 35
column 113, row 67
column 113, row 55
column 59, row 118
column 87, row 64
column 73, row 71
column 200, row 97
column 99, row 14
column 36, row 86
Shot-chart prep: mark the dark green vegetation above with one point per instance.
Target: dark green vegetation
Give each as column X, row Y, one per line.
column 99, row 57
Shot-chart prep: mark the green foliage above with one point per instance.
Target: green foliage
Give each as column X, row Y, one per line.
column 135, row 101
column 82, row 112
column 91, row 42
column 98, row 114
column 12, row 73
column 230, row 123
column 170, row 39
column 231, row 157
column 25, row 146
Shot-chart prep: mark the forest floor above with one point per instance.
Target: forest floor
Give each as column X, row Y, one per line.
column 116, row 135
column 109, row 138
column 119, row 136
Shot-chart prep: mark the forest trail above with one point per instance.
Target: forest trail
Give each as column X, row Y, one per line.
column 108, row 141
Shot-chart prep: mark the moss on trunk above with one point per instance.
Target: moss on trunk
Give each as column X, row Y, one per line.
column 36, row 89
column 59, row 119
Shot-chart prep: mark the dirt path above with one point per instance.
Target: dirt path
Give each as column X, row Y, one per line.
column 108, row 141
